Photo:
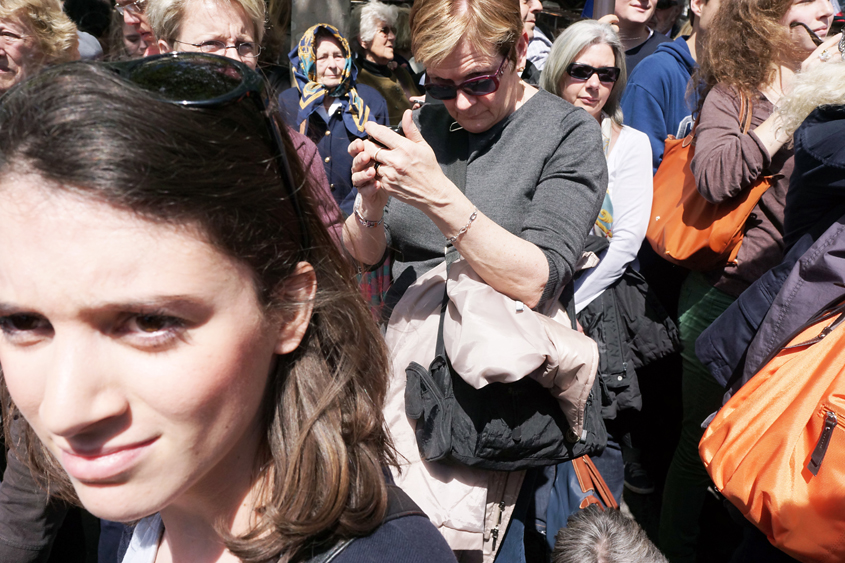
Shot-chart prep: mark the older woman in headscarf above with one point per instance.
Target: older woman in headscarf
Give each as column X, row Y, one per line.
column 376, row 35
column 33, row 33
column 328, row 106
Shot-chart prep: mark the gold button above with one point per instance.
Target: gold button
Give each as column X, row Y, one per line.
column 328, row 133
column 328, row 159
column 331, row 186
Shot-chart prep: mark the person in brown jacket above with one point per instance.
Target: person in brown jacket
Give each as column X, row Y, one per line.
column 776, row 44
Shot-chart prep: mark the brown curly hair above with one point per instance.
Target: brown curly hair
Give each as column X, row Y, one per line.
column 744, row 45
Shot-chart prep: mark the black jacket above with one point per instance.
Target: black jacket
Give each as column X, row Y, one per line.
column 631, row 329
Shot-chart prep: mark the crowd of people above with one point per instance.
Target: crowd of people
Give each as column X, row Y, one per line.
column 229, row 292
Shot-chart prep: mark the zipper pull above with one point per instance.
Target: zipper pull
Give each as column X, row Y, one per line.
column 824, row 441
column 495, row 531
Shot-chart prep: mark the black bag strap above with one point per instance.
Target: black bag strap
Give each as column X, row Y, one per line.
column 835, row 308
column 455, row 170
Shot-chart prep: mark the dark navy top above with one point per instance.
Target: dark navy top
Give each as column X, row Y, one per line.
column 333, row 138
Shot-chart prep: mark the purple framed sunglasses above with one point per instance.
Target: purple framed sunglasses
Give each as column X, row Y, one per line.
column 478, row 86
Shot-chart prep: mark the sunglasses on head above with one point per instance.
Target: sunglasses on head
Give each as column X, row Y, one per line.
column 580, row 71
column 206, row 81
column 478, row 86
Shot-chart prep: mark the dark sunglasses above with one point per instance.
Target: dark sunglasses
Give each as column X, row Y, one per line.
column 478, row 86
column 580, row 71
column 206, row 81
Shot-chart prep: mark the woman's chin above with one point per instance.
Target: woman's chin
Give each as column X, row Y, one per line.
column 118, row 503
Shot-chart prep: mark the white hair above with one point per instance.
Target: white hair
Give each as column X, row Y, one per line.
column 822, row 85
column 374, row 15
column 594, row 535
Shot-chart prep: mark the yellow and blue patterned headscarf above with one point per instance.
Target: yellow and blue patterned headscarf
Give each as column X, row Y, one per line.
column 312, row 93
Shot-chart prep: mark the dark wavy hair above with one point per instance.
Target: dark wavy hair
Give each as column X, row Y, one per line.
column 743, row 46
column 326, row 443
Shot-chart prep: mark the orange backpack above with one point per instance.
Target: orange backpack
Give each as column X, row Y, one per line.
column 776, row 450
column 686, row 229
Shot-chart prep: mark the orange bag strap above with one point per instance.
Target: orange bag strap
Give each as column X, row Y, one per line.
column 589, row 478
column 745, row 111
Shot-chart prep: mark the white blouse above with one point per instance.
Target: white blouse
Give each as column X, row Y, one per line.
column 631, row 190
column 145, row 539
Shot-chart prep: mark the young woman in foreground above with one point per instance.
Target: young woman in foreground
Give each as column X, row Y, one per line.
column 185, row 343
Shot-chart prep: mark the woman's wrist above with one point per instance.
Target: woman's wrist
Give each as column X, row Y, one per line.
column 365, row 215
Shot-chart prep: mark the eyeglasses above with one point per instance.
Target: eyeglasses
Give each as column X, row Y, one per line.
column 206, row 81
column 136, row 7
column 387, row 30
column 478, row 86
column 247, row 49
column 580, row 71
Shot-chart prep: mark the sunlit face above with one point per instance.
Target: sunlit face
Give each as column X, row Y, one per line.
column 208, row 20
column 635, row 11
column 590, row 94
column 137, row 351
column 477, row 114
column 17, row 52
column 529, row 10
column 705, row 11
column 815, row 14
column 380, row 49
column 664, row 18
column 132, row 40
column 330, row 62
column 136, row 19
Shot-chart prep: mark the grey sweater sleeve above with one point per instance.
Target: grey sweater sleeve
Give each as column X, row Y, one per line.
column 568, row 198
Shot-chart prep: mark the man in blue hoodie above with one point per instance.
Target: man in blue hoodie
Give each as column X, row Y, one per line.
column 655, row 99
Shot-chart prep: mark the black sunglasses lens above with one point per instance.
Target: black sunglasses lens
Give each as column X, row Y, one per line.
column 192, row 80
column 580, row 72
column 584, row 72
column 439, row 92
column 608, row 74
column 481, row 87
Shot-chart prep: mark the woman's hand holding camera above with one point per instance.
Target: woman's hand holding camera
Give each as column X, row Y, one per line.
column 402, row 167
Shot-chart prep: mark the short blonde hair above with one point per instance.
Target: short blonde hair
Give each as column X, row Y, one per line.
column 438, row 26
column 565, row 49
column 166, row 16
column 54, row 32
column 822, row 85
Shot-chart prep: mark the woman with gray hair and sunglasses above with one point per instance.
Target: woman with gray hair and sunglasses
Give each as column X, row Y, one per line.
column 586, row 67
column 376, row 36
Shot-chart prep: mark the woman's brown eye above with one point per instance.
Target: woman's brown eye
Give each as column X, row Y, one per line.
column 23, row 322
column 152, row 323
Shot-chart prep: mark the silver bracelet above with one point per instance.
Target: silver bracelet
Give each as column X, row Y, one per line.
column 451, row 240
column 356, row 209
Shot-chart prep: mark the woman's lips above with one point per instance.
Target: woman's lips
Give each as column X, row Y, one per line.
column 104, row 465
